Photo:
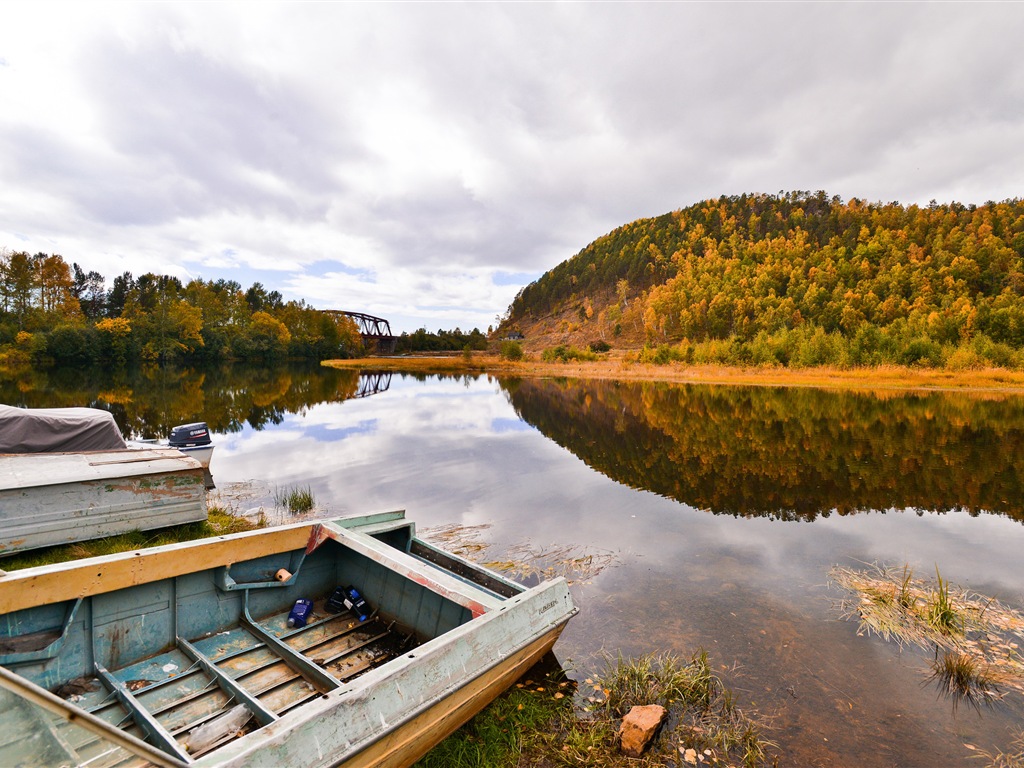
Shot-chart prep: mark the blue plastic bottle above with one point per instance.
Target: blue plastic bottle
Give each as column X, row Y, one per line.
column 355, row 603
column 300, row 612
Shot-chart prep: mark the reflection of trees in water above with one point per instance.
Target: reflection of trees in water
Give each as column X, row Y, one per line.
column 790, row 454
column 147, row 402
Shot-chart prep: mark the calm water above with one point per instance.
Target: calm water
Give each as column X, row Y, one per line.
column 722, row 508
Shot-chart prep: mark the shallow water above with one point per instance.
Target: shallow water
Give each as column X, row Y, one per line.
column 723, row 509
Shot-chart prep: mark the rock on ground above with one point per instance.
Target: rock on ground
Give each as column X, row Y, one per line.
column 638, row 728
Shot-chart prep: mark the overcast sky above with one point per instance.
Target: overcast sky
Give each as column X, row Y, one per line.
column 424, row 161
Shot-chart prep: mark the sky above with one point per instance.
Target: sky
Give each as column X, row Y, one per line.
column 422, row 162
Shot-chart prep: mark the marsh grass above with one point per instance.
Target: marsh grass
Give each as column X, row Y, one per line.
column 219, row 522
column 964, row 679
column 705, row 725
column 976, row 639
column 295, row 500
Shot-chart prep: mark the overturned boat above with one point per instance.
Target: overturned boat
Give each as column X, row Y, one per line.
column 67, row 475
column 198, row 654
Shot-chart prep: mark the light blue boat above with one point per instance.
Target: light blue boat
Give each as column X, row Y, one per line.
column 183, row 655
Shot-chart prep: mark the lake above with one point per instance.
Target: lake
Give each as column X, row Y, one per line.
column 711, row 515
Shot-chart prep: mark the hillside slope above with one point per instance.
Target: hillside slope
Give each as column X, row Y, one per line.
column 797, row 278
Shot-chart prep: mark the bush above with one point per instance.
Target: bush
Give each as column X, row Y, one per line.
column 565, row 353
column 922, row 351
column 599, row 346
column 510, row 350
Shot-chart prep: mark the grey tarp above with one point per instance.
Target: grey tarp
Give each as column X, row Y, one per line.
column 52, row 430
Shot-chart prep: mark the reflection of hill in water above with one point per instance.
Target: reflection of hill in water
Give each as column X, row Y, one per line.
column 148, row 402
column 790, row 454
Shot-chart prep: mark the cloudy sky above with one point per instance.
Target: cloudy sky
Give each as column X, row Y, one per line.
column 424, row 161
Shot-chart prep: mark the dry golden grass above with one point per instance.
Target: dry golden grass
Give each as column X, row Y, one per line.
column 617, row 366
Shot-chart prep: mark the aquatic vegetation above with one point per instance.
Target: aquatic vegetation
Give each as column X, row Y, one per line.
column 942, row 614
column 964, row 679
column 525, row 561
column 658, row 679
column 705, row 724
column 295, row 500
column 976, row 639
column 999, row 759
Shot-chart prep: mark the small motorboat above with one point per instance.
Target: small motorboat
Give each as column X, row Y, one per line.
column 347, row 642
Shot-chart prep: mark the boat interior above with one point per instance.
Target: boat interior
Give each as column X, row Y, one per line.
column 191, row 662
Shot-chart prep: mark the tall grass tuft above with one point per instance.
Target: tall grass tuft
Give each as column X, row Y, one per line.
column 295, row 500
column 941, row 611
column 659, row 678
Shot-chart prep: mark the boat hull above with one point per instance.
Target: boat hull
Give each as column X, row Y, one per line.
column 47, row 499
column 187, row 636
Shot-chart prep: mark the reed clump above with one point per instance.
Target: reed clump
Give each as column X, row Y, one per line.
column 976, row 639
column 295, row 500
column 705, row 724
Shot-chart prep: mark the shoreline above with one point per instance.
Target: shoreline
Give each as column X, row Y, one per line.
column 985, row 381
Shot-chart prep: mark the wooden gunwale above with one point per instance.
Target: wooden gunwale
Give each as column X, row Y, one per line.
column 68, row 581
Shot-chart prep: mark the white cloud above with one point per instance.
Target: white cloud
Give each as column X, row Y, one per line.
column 433, row 146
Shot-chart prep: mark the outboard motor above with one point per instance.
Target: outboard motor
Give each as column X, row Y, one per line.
column 189, row 435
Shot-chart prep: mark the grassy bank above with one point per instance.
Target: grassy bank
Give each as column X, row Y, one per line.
column 547, row 720
column 624, row 366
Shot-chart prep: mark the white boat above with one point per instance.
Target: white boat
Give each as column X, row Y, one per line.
column 67, row 475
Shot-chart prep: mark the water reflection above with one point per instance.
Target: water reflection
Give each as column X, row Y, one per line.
column 789, row 454
column 147, row 402
column 640, row 467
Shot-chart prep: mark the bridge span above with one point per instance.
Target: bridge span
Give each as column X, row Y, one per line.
column 375, row 331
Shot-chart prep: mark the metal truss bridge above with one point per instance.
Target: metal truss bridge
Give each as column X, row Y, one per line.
column 376, row 331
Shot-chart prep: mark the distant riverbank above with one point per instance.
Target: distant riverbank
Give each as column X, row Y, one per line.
column 619, row 366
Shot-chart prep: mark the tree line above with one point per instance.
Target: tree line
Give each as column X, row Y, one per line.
column 53, row 312
column 423, row 340
column 803, row 278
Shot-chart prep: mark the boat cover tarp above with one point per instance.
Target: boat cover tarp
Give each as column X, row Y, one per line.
column 57, row 430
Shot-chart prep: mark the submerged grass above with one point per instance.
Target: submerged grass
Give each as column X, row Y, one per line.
column 976, row 639
column 524, row 562
column 963, row 678
column 540, row 724
column 999, row 759
column 218, row 523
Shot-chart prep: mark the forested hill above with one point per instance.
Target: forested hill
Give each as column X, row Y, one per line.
column 798, row 278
